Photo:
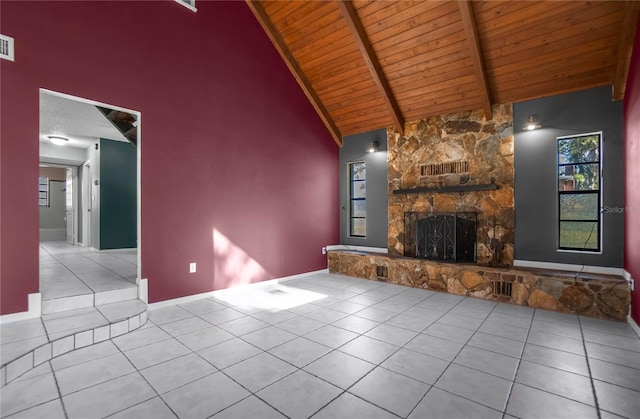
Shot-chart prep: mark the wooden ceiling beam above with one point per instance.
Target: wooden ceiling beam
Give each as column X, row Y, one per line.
column 625, row 48
column 294, row 67
column 360, row 36
column 471, row 32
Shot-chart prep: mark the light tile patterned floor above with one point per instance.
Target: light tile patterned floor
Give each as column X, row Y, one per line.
column 67, row 270
column 328, row 346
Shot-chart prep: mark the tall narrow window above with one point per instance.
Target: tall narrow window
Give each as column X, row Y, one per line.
column 43, row 191
column 357, row 199
column 579, row 186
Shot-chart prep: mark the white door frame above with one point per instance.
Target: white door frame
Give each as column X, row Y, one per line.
column 74, row 204
column 86, row 204
column 138, row 151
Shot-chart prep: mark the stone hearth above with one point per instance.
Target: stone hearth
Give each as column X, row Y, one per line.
column 599, row 296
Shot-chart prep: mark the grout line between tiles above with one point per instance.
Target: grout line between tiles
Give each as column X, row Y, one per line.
column 451, row 362
column 586, row 357
column 506, row 405
column 145, row 380
column 55, row 378
column 81, row 255
column 242, row 337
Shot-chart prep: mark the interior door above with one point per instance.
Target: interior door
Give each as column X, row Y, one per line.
column 69, row 207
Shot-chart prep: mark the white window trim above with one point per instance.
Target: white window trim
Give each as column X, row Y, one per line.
column 601, row 203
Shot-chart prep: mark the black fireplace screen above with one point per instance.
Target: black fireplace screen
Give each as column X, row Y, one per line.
column 441, row 236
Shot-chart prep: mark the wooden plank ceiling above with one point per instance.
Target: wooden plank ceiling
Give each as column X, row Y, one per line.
column 366, row 65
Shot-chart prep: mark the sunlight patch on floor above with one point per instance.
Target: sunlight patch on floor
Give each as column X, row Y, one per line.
column 272, row 297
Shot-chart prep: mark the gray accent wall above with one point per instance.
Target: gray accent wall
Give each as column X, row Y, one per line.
column 536, row 227
column 354, row 150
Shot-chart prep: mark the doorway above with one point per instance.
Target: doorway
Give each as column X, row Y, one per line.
column 78, row 267
column 58, row 203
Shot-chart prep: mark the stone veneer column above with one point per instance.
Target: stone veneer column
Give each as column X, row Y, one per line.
column 487, row 146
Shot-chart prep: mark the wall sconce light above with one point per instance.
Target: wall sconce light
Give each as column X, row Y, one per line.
column 532, row 123
column 373, row 147
column 57, row 140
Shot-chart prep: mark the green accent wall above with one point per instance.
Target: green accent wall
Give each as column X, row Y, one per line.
column 118, row 216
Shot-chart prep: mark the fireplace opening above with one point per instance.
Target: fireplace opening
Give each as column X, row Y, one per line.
column 449, row 236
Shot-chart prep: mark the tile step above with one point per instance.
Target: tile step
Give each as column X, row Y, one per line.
column 75, row 302
column 28, row 343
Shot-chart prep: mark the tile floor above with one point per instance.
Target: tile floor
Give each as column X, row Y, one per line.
column 67, row 270
column 328, row 346
column 81, row 289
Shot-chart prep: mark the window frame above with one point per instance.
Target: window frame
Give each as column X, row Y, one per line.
column 351, row 199
column 597, row 192
column 43, row 192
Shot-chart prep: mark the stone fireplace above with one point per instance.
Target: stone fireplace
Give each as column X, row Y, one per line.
column 454, row 164
column 443, row 173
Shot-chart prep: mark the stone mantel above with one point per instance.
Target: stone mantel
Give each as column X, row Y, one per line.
column 600, row 296
column 448, row 189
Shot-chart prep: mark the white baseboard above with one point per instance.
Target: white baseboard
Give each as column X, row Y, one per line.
column 53, row 234
column 123, row 250
column 35, row 310
column 568, row 267
column 143, row 289
column 358, row 248
column 194, row 297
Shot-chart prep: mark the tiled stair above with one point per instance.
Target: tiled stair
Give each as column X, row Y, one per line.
column 91, row 299
column 26, row 344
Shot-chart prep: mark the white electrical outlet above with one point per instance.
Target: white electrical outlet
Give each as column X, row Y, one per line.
column 324, row 250
column 192, row 267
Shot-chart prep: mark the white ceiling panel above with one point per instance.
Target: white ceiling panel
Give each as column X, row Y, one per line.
column 80, row 122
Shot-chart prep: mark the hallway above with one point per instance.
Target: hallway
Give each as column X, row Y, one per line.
column 74, row 277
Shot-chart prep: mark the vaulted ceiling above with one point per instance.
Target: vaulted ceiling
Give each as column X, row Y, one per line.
column 366, row 65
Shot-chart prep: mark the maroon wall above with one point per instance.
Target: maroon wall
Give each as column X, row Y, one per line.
column 632, row 176
column 230, row 145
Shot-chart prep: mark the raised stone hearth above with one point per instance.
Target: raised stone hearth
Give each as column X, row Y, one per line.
column 599, row 296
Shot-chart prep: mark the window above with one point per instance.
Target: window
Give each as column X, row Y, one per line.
column 357, row 199
column 579, row 187
column 43, row 191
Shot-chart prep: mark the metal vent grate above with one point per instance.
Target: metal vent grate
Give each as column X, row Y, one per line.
column 444, row 168
column 382, row 272
column 6, row 47
column 502, row 289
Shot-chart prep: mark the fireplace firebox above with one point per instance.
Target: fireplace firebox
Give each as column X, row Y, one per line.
column 449, row 236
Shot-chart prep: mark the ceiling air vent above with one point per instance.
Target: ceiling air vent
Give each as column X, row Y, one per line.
column 6, row 47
